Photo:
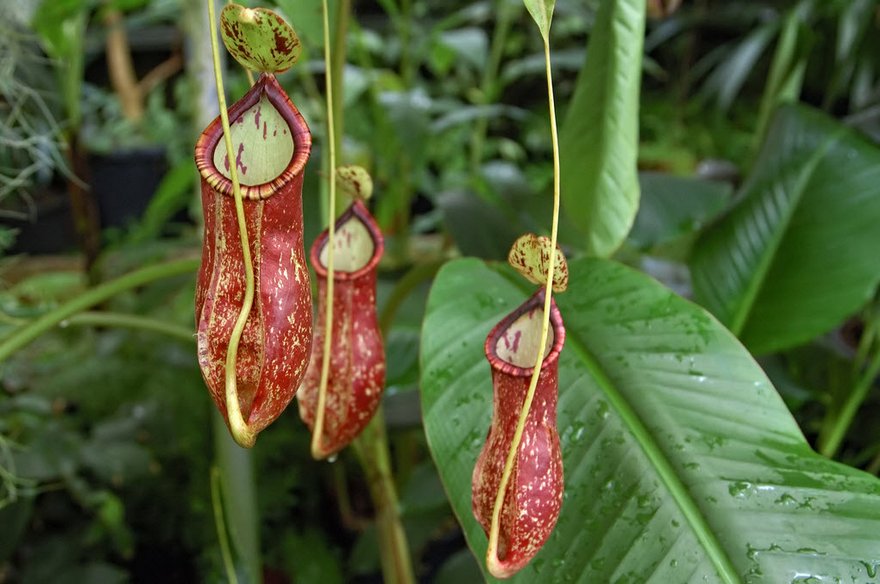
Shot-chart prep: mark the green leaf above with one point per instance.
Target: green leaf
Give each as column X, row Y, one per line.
column 673, row 206
column 542, row 14
column 785, row 79
column 477, row 227
column 599, row 135
column 682, row 463
column 53, row 21
column 61, row 25
column 728, row 79
column 460, row 567
column 799, row 251
column 259, row 39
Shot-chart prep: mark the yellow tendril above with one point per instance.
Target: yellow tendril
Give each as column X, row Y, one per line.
column 492, row 560
column 318, row 431
column 241, row 432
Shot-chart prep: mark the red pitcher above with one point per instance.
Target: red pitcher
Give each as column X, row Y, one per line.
column 357, row 362
column 272, row 143
column 533, row 497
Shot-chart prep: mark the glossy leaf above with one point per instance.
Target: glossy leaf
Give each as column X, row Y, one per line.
column 682, row 463
column 259, row 39
column 799, row 252
column 600, row 134
column 542, row 13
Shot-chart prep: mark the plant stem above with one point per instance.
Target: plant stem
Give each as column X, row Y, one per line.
column 374, row 456
column 372, row 450
column 492, row 550
column 318, row 432
column 27, row 333
column 121, row 68
column 220, row 522
column 372, row 445
column 242, row 517
column 340, row 18
column 870, row 335
column 830, row 441
column 337, row 69
column 130, row 321
column 243, row 434
column 83, row 207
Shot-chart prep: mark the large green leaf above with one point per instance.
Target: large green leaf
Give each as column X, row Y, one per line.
column 799, row 252
column 682, row 463
column 600, row 134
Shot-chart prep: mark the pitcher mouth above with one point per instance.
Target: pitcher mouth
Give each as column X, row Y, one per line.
column 268, row 89
column 512, row 345
column 364, row 229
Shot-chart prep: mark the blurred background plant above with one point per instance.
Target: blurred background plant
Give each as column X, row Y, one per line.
column 32, row 147
column 105, row 428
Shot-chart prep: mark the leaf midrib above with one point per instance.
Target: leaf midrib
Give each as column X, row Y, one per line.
column 643, row 437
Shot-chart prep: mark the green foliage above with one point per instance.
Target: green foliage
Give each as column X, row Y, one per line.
column 773, row 269
column 681, row 460
column 61, row 26
column 823, row 50
column 106, row 130
column 105, row 430
column 29, row 126
column 599, row 135
column 674, row 207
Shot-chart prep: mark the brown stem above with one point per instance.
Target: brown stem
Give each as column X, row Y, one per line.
column 161, row 72
column 121, row 68
column 82, row 204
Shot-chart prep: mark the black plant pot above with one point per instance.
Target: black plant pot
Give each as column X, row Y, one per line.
column 123, row 183
column 48, row 229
